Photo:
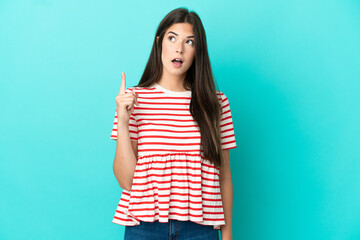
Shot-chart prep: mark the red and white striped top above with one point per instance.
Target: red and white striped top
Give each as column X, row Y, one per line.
column 172, row 179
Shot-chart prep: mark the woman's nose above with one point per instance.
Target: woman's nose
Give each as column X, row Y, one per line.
column 179, row 47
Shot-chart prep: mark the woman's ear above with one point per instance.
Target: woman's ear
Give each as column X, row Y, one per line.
column 157, row 39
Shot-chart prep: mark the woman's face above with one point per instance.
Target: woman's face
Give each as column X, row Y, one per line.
column 178, row 42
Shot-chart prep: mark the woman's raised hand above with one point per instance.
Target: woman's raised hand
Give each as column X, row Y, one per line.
column 125, row 102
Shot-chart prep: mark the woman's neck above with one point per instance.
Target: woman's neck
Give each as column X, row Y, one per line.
column 171, row 82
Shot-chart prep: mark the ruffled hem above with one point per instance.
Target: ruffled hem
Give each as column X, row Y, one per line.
column 178, row 186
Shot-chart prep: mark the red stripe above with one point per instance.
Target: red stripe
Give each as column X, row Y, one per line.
column 227, row 130
column 169, row 160
column 223, row 119
column 228, row 142
column 165, row 119
column 175, row 160
column 229, row 123
column 163, row 196
column 164, row 103
column 164, row 114
column 229, row 148
column 209, row 186
column 170, row 137
column 163, row 109
column 173, row 167
column 210, row 173
column 168, row 168
column 173, row 181
column 168, row 150
column 212, row 206
column 167, row 209
column 211, row 199
column 178, row 214
column 164, row 202
column 232, row 135
column 167, row 143
column 165, row 189
column 130, row 131
column 126, row 193
column 115, row 120
column 165, row 130
column 185, row 98
column 164, row 182
column 122, row 219
column 209, row 179
column 166, row 154
column 170, row 125
column 166, row 175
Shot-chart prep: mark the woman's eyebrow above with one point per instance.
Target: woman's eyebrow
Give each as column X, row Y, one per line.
column 178, row 35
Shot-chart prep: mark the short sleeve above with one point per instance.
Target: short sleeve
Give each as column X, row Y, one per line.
column 227, row 132
column 133, row 127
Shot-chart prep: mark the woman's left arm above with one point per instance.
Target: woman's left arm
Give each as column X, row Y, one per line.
column 227, row 196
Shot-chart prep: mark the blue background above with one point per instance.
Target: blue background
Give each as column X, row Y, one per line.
column 290, row 69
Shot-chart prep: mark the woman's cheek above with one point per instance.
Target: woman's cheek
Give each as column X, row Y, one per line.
column 165, row 50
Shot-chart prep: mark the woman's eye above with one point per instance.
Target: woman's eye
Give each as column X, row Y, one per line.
column 172, row 37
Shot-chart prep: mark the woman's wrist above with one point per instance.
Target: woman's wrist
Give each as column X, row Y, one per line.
column 226, row 236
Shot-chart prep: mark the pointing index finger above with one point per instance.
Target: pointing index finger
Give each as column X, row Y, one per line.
column 123, row 84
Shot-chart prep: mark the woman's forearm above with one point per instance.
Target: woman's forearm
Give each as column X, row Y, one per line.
column 227, row 199
column 125, row 159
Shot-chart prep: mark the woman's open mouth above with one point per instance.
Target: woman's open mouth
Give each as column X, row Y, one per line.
column 177, row 62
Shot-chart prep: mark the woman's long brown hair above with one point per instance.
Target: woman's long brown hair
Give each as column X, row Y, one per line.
column 204, row 105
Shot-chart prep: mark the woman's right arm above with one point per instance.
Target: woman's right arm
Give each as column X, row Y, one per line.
column 125, row 157
column 126, row 150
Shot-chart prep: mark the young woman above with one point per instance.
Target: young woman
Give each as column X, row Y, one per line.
column 174, row 132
